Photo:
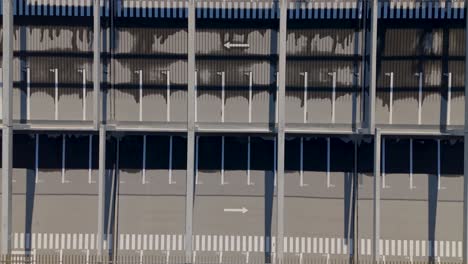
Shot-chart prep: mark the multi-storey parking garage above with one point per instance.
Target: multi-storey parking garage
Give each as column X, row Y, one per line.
column 234, row 128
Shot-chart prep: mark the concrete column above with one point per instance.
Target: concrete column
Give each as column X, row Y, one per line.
column 376, row 218
column 465, row 161
column 281, row 125
column 97, row 106
column 372, row 67
column 101, row 191
column 7, row 132
column 190, row 131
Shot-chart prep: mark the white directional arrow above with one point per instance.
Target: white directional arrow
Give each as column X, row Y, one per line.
column 242, row 210
column 236, row 45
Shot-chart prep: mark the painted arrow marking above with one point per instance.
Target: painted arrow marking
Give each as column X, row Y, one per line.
column 236, row 45
column 242, row 210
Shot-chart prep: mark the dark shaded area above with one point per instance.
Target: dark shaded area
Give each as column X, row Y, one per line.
column 315, row 154
column 292, row 155
column 341, row 155
column 157, row 152
column 235, row 153
column 451, row 157
column 365, row 153
column 179, row 153
column 24, row 151
column 131, row 152
column 425, row 156
column 50, row 151
column 397, row 155
column 262, row 154
column 77, row 152
column 209, row 153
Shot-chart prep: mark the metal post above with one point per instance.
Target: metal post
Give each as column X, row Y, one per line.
column 101, row 190
column 465, row 161
column 190, row 131
column 420, row 84
column 140, row 89
column 83, row 72
column 390, row 104
column 250, row 95
column 305, row 74
column 223, row 94
column 373, row 68
column 376, row 233
column 55, row 71
column 7, row 131
column 98, row 115
column 281, row 123
column 97, row 64
column 449, row 96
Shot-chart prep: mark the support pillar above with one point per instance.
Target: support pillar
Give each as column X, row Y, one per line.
column 372, row 68
column 281, row 125
column 190, row 131
column 376, row 218
column 97, row 106
column 7, row 130
column 465, row 161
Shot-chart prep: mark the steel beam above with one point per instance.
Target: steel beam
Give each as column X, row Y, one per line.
column 372, row 68
column 7, row 132
column 376, row 218
column 465, row 161
column 281, row 128
column 190, row 131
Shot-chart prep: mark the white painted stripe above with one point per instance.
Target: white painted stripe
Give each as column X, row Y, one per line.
column 405, row 248
column 21, row 241
column 256, row 244
column 321, row 245
column 74, row 241
column 460, row 245
column 121, row 242
column 174, row 242
column 417, row 251
column 381, row 247
column 215, row 243
column 150, row 242
column 80, row 241
column 309, row 245
column 238, row 243
column 261, row 244
column 303, row 245
column 156, row 242
column 399, row 247
column 208, row 243
column 423, row 248
column 244, row 243
column 369, row 247
column 338, row 246
column 203, row 243
column 68, row 242
column 332, row 248
column 127, row 241
column 15, row 240
column 63, row 241
column 315, row 246
column 345, row 245
column 327, row 251
column 454, row 249
column 138, row 246
column 145, row 242
column 250, row 244
column 163, row 240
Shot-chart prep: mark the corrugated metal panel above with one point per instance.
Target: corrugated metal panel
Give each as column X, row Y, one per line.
column 42, row 103
column 319, row 73
column 262, row 72
column 404, row 73
column 154, row 104
column 323, row 42
column 457, row 68
column 400, row 42
column 51, row 38
column 126, row 104
column 218, row 41
column 263, row 107
column 295, row 106
column 67, row 69
column 179, row 105
column 319, row 107
column 151, row 41
column 431, row 109
column 209, row 106
column 124, row 71
column 70, row 104
column 237, row 106
column 456, row 42
column 405, row 108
